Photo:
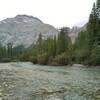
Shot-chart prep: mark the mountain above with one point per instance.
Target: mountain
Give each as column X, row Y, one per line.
column 24, row 30
column 73, row 32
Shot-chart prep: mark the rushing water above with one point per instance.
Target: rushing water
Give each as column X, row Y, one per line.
column 56, row 83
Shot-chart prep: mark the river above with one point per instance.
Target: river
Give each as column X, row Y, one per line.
column 25, row 81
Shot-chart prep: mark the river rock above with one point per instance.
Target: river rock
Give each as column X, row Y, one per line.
column 1, row 98
column 0, row 94
column 53, row 98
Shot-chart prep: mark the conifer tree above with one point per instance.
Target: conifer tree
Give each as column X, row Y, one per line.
column 39, row 43
column 91, row 28
column 10, row 50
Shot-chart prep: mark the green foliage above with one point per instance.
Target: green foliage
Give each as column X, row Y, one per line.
column 54, row 51
column 62, row 43
column 81, row 47
column 40, row 44
column 42, row 59
column 94, row 34
column 87, row 46
column 95, row 56
column 62, row 59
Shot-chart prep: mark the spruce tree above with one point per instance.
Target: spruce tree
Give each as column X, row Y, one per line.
column 39, row 43
column 93, row 31
column 10, row 50
column 91, row 28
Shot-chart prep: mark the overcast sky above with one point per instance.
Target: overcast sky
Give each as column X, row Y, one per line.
column 55, row 12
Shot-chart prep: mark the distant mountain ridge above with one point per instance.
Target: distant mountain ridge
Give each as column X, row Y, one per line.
column 24, row 30
column 74, row 32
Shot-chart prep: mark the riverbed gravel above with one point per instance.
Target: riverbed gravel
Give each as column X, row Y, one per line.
column 25, row 81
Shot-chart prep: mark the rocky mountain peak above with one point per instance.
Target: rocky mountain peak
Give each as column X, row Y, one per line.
column 26, row 17
column 73, row 33
column 24, row 30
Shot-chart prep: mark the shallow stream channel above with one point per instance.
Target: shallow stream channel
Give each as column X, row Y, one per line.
column 25, row 81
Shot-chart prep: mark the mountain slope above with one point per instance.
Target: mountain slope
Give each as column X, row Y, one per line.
column 73, row 33
column 24, row 30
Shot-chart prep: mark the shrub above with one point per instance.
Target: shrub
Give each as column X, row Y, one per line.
column 62, row 59
column 42, row 59
column 34, row 59
column 6, row 60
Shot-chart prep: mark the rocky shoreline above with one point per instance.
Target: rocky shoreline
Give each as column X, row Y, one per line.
column 35, row 82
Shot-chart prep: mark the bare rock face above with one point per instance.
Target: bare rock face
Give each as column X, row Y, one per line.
column 24, row 30
column 73, row 33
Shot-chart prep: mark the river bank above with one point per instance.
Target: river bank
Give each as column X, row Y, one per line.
column 25, row 81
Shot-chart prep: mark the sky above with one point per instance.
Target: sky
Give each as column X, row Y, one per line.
column 58, row 13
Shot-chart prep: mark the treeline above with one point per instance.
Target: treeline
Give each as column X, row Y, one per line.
column 59, row 50
column 9, row 53
column 87, row 46
column 52, row 51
